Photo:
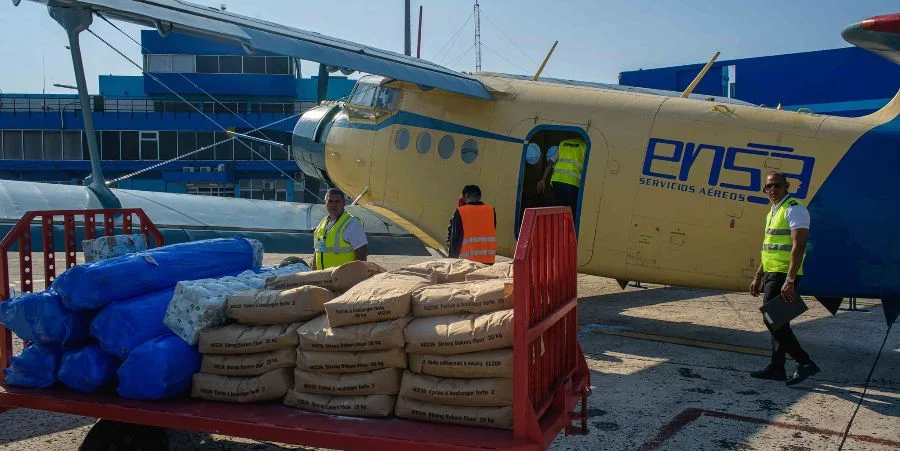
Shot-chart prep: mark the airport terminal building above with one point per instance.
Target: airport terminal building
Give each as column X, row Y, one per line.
column 843, row 82
column 141, row 121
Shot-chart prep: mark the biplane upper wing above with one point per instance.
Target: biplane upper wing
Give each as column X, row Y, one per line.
column 254, row 34
column 879, row 34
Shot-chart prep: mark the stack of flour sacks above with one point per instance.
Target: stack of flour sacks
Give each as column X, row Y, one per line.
column 252, row 357
column 460, row 351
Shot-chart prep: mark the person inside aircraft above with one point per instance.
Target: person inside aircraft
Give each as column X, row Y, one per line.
column 473, row 229
column 780, row 271
column 340, row 237
column 566, row 167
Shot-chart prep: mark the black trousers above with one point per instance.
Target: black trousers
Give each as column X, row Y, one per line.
column 566, row 195
column 783, row 339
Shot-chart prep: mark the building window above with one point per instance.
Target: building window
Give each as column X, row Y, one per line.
column 12, row 145
column 254, row 64
column 131, row 150
column 187, row 143
column 159, row 63
column 149, row 145
column 207, row 64
column 264, row 189
column 168, row 145
column 205, row 139
column 32, row 144
column 110, row 145
column 71, row 142
column 52, row 145
column 184, row 64
column 224, row 146
column 211, row 189
column 278, row 65
column 230, row 65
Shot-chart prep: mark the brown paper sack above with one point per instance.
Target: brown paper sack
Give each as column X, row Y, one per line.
column 350, row 362
column 336, row 279
column 483, row 392
column 380, row 382
column 248, row 364
column 501, row 270
column 495, row 363
column 358, row 406
column 382, row 297
column 244, row 339
column 446, row 270
column 261, row 307
column 266, row 387
column 480, row 296
column 315, row 335
column 460, row 333
column 492, row 417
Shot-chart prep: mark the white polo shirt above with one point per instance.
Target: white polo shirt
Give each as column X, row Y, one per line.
column 796, row 215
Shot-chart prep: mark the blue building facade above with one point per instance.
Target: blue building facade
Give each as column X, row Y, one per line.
column 843, row 82
column 191, row 91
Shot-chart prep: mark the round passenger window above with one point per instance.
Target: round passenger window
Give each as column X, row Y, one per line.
column 532, row 153
column 402, row 139
column 469, row 151
column 551, row 153
column 446, row 147
column 423, row 143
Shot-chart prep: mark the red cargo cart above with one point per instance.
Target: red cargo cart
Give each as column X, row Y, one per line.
column 551, row 379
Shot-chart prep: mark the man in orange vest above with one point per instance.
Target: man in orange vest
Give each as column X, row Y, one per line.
column 473, row 229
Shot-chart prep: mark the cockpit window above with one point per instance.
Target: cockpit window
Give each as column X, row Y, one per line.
column 386, row 98
column 363, row 94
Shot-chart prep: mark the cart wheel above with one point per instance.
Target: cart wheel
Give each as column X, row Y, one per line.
column 108, row 435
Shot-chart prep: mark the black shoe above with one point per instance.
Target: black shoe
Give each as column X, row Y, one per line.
column 770, row 372
column 803, row 371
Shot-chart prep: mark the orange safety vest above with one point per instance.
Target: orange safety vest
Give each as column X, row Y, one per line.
column 479, row 242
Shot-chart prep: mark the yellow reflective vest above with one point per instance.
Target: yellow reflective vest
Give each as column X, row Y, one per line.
column 330, row 248
column 777, row 244
column 570, row 162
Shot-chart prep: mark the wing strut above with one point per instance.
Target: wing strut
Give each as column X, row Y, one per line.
column 74, row 21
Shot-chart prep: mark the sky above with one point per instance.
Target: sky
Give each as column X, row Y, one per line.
column 598, row 39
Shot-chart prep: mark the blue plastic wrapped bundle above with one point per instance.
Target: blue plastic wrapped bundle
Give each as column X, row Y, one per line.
column 124, row 325
column 160, row 368
column 42, row 318
column 87, row 369
column 93, row 285
column 34, row 367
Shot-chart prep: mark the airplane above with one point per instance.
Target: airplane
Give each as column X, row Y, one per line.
column 672, row 185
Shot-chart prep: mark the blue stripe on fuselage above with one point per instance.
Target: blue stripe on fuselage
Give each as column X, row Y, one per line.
column 854, row 250
column 418, row 120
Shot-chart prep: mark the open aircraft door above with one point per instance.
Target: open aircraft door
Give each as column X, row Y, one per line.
column 542, row 144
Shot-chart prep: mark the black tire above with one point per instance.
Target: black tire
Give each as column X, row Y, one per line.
column 108, row 435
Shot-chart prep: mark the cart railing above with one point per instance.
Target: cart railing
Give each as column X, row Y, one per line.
column 550, row 374
column 46, row 221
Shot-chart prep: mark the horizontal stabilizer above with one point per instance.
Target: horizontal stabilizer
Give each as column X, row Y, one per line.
column 254, row 34
column 879, row 35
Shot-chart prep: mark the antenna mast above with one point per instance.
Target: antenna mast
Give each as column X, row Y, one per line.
column 477, row 37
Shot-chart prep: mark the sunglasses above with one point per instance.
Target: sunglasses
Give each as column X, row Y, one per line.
column 774, row 185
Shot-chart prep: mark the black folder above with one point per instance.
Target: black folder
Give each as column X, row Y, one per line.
column 777, row 312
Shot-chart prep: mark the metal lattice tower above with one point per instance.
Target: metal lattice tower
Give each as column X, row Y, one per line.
column 477, row 38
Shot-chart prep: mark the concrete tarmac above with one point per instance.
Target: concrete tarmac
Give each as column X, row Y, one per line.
column 669, row 370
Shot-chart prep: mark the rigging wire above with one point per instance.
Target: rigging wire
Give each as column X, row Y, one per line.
column 536, row 63
column 156, row 79
column 525, row 71
column 453, row 39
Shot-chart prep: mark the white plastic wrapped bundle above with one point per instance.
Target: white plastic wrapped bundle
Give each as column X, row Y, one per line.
column 200, row 304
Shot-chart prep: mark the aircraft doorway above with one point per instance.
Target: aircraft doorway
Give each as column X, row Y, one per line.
column 540, row 150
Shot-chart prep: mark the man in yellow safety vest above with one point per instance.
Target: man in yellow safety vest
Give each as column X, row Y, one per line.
column 780, row 271
column 567, row 166
column 340, row 237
